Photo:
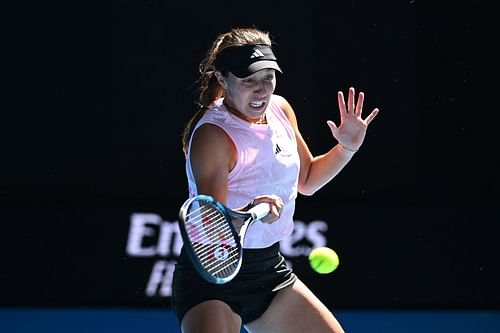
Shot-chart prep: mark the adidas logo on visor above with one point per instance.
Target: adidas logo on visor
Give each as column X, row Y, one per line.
column 256, row 54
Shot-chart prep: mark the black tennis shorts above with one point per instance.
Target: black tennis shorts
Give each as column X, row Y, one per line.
column 263, row 273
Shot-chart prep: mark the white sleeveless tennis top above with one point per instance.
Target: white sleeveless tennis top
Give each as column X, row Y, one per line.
column 268, row 163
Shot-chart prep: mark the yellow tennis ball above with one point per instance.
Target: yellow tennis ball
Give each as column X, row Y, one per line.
column 323, row 260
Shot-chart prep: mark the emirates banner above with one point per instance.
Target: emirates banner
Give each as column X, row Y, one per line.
column 150, row 236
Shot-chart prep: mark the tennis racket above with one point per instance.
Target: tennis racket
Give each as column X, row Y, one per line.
column 211, row 239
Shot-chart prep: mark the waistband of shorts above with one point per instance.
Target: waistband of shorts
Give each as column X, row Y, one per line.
column 249, row 255
column 261, row 254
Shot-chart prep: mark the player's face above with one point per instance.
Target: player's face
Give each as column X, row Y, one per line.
column 250, row 95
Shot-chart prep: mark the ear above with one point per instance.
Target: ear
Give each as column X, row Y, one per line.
column 221, row 79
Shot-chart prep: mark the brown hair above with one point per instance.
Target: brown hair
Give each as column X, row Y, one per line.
column 209, row 87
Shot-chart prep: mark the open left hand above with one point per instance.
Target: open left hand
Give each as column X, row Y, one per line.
column 351, row 132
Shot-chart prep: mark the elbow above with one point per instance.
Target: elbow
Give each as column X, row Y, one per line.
column 306, row 186
column 307, row 191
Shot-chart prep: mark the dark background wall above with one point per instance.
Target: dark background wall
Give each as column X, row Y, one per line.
column 96, row 96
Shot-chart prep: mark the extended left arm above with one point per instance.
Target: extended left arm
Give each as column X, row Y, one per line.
column 316, row 171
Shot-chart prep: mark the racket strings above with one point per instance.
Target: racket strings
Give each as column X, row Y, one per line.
column 208, row 225
column 213, row 240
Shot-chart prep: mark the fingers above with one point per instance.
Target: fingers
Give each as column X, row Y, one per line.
column 276, row 207
column 372, row 115
column 333, row 128
column 350, row 100
column 359, row 105
column 340, row 98
column 351, row 106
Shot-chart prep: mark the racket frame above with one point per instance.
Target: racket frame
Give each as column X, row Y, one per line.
column 229, row 214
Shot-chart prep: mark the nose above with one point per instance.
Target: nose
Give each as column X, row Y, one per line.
column 260, row 88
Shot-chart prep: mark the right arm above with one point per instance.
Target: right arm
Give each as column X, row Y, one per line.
column 213, row 155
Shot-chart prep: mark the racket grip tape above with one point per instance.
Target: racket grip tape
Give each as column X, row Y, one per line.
column 260, row 210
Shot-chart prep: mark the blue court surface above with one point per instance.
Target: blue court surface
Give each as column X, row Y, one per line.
column 155, row 320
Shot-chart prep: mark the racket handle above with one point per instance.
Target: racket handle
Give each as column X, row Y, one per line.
column 260, row 210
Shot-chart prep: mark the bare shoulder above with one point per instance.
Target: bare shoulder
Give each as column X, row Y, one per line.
column 282, row 102
column 212, row 148
column 209, row 136
column 286, row 108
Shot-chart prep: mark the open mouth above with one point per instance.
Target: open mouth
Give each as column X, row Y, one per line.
column 256, row 104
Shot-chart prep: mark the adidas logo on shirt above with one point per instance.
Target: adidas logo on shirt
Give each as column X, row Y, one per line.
column 277, row 150
column 256, row 54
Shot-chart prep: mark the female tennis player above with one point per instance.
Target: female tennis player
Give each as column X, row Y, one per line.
column 244, row 147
